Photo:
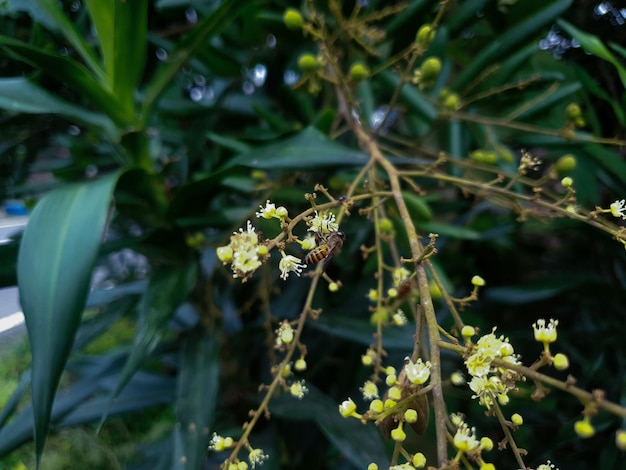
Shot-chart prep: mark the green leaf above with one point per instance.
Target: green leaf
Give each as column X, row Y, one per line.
column 144, row 390
column 210, row 26
column 53, row 18
column 67, row 71
column 360, row 443
column 196, row 401
column 228, row 142
column 56, row 257
column 509, row 40
column 167, row 289
column 590, row 84
column 609, row 159
column 595, row 46
column 305, row 150
column 122, row 34
column 22, row 96
column 536, row 291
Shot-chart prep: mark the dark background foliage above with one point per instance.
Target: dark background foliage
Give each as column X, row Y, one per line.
column 171, row 333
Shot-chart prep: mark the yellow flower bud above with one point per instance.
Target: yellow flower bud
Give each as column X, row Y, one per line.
column 584, row 428
column 478, row 281
column 468, row 331
column 377, row 406
column 419, row 460
column 560, row 361
column 517, row 419
column 410, row 415
column 398, row 434
column 225, row 254
column 486, row 444
column 395, row 393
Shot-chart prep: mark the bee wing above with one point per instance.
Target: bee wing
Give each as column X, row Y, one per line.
column 327, row 259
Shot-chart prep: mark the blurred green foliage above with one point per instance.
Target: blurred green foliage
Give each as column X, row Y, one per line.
column 149, row 131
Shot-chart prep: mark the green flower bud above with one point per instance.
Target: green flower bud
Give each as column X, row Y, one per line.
column 430, row 68
column 293, row 19
column 451, row 102
column 359, row 72
column 308, row 63
column 425, row 35
column 565, row 164
column 385, row 225
column 483, row 156
column 573, row 111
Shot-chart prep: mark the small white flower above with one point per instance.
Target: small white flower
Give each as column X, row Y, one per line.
column 417, row 372
column 618, row 209
column 290, row 264
column 369, row 390
column 268, row 211
column 298, row 389
column 347, row 408
column 257, row 457
column 545, row 333
column 465, row 438
column 399, row 318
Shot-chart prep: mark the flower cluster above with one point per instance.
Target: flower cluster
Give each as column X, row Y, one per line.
column 244, row 252
column 488, row 381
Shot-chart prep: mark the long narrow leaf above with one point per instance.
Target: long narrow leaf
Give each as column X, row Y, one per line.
column 122, row 34
column 22, row 96
column 56, row 256
column 512, row 38
column 595, row 46
column 196, row 401
column 66, row 70
column 53, row 18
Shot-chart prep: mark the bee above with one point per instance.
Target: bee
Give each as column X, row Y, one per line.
column 328, row 245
